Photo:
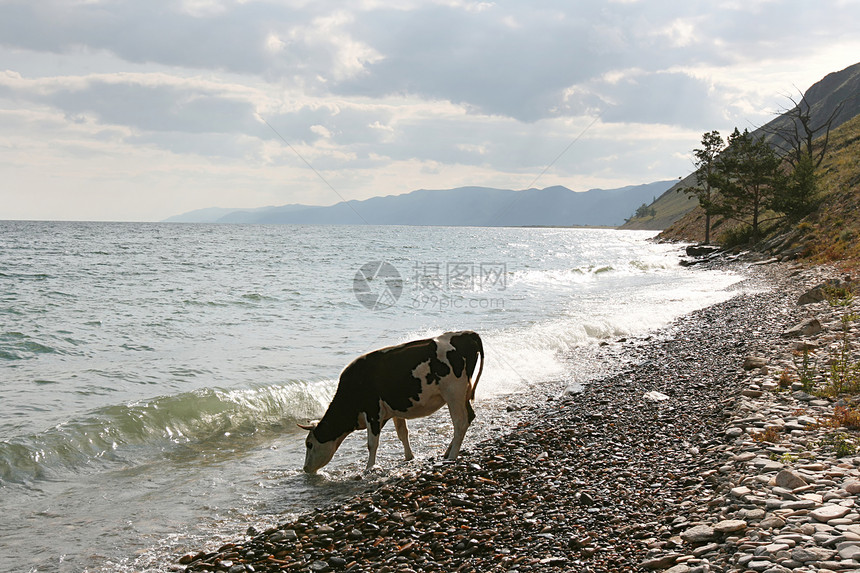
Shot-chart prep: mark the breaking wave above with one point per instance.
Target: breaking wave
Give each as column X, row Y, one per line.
column 128, row 432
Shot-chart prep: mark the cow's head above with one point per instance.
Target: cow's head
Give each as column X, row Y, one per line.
column 318, row 453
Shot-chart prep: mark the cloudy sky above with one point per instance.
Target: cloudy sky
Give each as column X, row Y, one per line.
column 133, row 110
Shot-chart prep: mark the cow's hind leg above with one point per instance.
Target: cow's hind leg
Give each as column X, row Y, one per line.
column 461, row 416
column 403, row 434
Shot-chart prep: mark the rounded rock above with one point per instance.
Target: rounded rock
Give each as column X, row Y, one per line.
column 730, row 526
column 699, row 534
column 829, row 512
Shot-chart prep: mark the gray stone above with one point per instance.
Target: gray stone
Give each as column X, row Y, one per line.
column 660, row 561
column 823, row 538
column 753, row 514
column 281, row 535
column 849, row 552
column 789, row 480
column 789, row 538
column 730, row 526
column 772, row 522
column 751, row 362
column 808, row 327
column 784, row 493
column 849, row 565
column 699, row 534
column 771, row 504
column 811, row 296
column 800, row 504
column 655, row 396
column 811, row 554
column 679, row 568
column 767, row 466
column 707, row 548
column 828, row 512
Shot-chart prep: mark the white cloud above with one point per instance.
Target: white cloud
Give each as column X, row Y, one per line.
column 274, row 44
column 202, row 8
column 142, row 110
column 321, row 131
column 682, row 32
column 472, row 148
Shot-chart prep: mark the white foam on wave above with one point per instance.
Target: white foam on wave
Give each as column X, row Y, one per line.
column 521, row 357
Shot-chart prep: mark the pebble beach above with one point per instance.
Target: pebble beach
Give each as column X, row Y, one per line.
column 712, row 447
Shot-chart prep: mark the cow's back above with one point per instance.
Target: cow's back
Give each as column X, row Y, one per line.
column 396, row 375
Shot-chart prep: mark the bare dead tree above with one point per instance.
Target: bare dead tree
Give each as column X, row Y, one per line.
column 797, row 138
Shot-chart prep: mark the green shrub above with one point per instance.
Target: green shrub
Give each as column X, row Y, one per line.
column 736, row 237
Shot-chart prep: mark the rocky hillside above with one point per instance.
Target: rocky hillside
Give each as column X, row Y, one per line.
column 823, row 97
column 832, row 233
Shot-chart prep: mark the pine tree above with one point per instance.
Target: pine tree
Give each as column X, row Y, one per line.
column 799, row 195
column 712, row 145
column 747, row 174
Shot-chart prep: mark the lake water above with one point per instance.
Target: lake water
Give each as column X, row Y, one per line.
column 151, row 375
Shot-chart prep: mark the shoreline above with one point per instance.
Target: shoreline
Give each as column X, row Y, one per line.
column 639, row 470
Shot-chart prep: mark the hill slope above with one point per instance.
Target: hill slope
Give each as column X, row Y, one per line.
column 824, row 96
column 831, row 233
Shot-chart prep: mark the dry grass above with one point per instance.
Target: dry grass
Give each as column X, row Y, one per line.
column 835, row 227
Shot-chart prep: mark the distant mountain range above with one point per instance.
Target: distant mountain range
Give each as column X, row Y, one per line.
column 463, row 206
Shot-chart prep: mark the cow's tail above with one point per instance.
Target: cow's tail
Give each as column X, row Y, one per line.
column 480, row 348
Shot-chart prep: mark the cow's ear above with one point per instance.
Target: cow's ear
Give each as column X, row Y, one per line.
column 310, row 426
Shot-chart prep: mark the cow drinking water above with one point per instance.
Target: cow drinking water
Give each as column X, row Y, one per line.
column 406, row 381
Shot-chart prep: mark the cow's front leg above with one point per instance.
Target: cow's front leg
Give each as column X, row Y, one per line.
column 403, row 434
column 372, row 445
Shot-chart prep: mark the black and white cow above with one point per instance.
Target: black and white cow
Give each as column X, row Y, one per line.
column 409, row 380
